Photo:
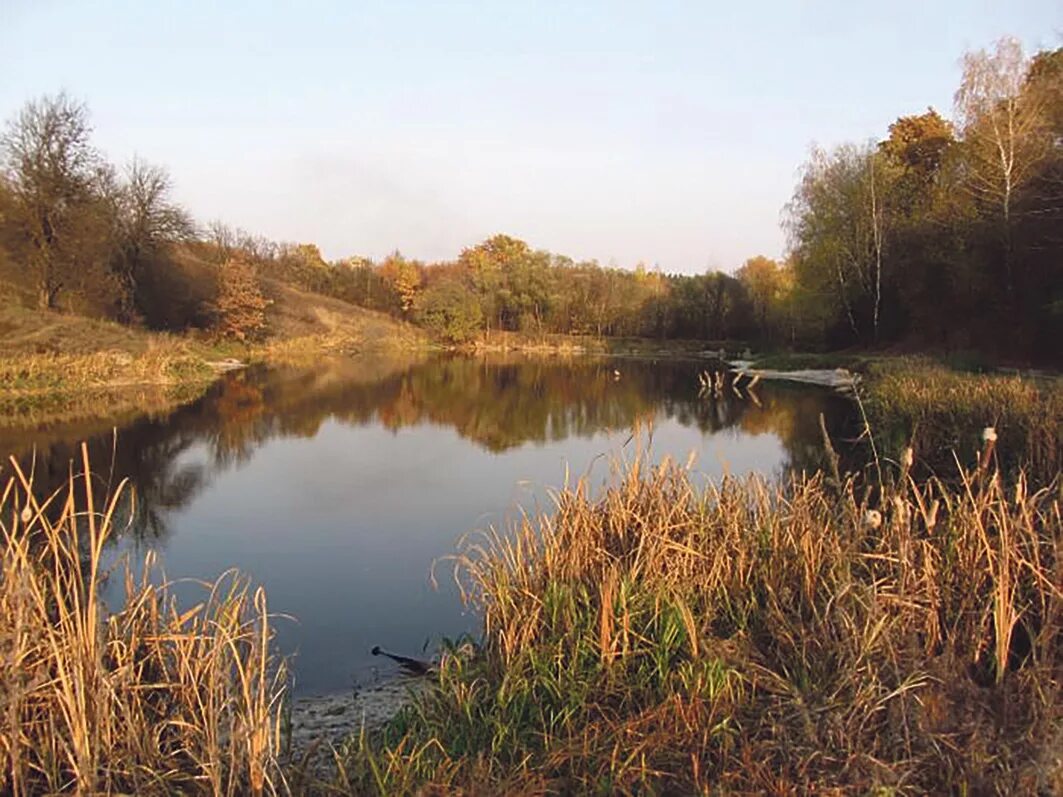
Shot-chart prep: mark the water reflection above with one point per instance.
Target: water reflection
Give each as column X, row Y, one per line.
column 337, row 486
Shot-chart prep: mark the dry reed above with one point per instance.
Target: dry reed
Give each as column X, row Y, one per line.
column 29, row 374
column 147, row 699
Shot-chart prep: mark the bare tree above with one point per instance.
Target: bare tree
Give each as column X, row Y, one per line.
column 223, row 238
column 51, row 170
column 148, row 222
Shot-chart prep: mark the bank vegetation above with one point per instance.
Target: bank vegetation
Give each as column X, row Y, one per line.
column 817, row 636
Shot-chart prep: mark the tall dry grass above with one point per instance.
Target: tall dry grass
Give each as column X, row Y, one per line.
column 750, row 638
column 144, row 699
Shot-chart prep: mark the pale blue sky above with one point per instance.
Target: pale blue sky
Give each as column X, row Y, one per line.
column 665, row 132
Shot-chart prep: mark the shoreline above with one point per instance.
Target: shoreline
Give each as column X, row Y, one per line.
column 331, row 717
column 57, row 388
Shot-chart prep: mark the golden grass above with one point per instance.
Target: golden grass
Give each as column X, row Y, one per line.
column 66, row 386
column 749, row 638
column 147, row 699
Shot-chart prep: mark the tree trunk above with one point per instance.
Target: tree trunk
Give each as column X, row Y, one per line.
column 876, row 233
column 845, row 302
column 46, row 295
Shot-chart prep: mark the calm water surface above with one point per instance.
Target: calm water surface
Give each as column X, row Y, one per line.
column 338, row 487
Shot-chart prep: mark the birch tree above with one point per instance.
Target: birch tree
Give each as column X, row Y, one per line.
column 838, row 227
column 1005, row 132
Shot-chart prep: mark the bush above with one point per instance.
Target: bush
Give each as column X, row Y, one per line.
column 449, row 311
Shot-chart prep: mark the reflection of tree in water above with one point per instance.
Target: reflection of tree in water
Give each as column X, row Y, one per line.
column 498, row 403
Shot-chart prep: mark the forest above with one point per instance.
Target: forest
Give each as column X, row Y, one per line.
column 935, row 237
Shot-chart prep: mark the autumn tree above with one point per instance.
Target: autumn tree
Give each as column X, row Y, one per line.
column 449, row 310
column 404, row 277
column 240, row 307
column 488, row 265
column 916, row 147
column 51, row 170
column 762, row 280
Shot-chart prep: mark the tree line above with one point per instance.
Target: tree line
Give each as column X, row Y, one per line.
column 944, row 233
column 940, row 234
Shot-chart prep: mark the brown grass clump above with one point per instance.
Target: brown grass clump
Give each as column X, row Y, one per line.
column 147, row 699
column 750, row 638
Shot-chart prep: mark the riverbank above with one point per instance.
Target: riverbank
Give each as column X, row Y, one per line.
column 53, row 388
column 315, row 727
column 939, row 411
column 935, row 408
column 61, row 368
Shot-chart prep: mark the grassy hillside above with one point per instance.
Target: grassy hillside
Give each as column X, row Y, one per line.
column 299, row 319
column 61, row 367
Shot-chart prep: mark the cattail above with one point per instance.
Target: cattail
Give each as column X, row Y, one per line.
column 989, row 437
column 1020, row 491
column 873, row 519
column 907, row 457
